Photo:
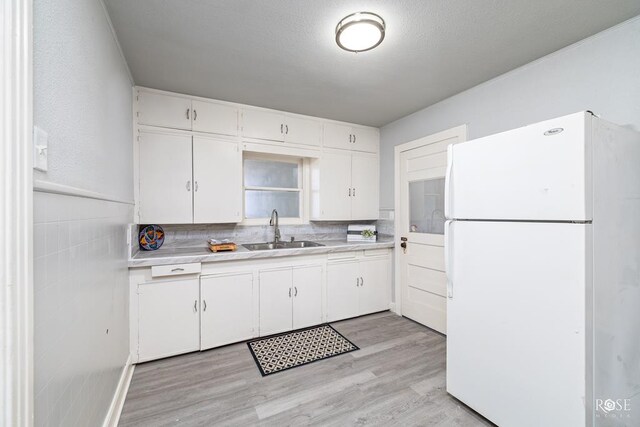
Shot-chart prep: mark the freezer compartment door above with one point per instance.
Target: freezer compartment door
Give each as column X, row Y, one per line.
column 538, row 172
column 516, row 321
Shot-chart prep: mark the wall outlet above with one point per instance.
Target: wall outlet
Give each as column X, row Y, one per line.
column 40, row 149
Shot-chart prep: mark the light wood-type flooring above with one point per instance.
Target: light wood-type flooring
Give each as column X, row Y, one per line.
column 396, row 378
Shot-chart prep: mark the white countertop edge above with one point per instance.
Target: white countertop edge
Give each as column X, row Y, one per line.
column 330, row 247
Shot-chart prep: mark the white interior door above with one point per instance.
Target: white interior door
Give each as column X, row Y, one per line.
column 307, row 296
column 227, row 309
column 420, row 251
column 217, row 180
column 166, row 187
column 365, row 190
column 516, row 320
column 524, row 174
column 168, row 318
column 276, row 295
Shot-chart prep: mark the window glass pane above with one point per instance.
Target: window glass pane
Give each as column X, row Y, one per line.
column 269, row 173
column 426, row 206
column 259, row 203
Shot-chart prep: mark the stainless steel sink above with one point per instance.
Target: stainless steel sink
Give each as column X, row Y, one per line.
column 281, row 245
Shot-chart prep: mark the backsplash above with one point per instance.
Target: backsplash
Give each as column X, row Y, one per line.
column 190, row 235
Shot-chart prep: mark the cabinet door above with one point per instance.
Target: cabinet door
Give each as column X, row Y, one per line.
column 227, row 309
column 302, row 131
column 167, row 111
column 165, row 178
column 307, row 296
column 215, row 118
column 365, row 186
column 275, row 301
column 342, row 290
column 263, row 125
column 375, row 285
column 334, row 186
column 217, row 180
column 338, row 136
column 366, row 139
column 168, row 318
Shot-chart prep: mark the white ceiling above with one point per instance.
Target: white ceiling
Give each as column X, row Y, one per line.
column 282, row 54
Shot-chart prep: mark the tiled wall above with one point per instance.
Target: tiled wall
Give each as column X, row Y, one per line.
column 81, row 307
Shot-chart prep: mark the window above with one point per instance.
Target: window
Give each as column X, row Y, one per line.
column 426, row 206
column 272, row 182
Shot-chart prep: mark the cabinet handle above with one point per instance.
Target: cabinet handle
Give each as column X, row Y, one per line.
column 195, row 305
column 177, row 269
column 349, row 191
column 281, row 128
column 289, row 292
column 354, row 192
column 350, row 138
column 189, row 185
column 296, row 294
column 195, row 115
column 195, row 184
column 354, row 138
column 286, row 129
column 188, row 113
column 361, row 281
column 205, row 305
column 357, row 282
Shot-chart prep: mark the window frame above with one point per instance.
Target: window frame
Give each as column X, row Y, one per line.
column 303, row 186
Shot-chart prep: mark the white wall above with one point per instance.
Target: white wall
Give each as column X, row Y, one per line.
column 82, row 99
column 600, row 73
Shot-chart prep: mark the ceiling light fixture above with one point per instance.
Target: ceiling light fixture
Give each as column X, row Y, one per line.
column 360, row 31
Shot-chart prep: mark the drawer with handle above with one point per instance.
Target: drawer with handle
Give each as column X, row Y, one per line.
column 175, row 269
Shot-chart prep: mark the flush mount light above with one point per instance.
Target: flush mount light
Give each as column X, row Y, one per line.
column 360, row 31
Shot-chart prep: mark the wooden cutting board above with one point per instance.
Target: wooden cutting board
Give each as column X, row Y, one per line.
column 221, row 247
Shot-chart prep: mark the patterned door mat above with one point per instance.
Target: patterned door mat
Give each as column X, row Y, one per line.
column 277, row 353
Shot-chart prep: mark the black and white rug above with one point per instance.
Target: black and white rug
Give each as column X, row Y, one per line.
column 284, row 351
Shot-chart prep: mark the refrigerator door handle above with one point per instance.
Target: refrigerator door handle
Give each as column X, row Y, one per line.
column 447, row 183
column 448, row 256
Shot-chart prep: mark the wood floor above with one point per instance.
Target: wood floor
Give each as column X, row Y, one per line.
column 396, row 378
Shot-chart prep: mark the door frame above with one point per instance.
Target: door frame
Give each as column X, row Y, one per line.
column 16, row 215
column 459, row 132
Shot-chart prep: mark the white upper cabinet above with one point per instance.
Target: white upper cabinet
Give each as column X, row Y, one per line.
column 161, row 110
column 165, row 178
column 217, row 180
column 188, row 179
column 365, row 186
column 280, row 127
column 216, row 118
column 302, row 131
column 344, row 186
column 354, row 138
column 263, row 125
column 182, row 112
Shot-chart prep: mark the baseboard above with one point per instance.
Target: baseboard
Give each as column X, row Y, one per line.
column 115, row 409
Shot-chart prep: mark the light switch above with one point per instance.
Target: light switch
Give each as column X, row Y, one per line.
column 40, row 149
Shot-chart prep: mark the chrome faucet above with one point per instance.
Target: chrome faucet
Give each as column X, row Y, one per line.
column 274, row 222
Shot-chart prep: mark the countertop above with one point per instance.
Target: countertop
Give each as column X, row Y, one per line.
column 201, row 253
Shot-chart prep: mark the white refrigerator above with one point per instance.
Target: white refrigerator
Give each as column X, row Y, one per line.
column 542, row 249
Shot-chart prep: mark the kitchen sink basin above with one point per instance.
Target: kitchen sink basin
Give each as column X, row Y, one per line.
column 281, row 245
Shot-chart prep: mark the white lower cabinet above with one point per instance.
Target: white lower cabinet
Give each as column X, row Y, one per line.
column 227, row 307
column 168, row 318
column 357, row 287
column 197, row 307
column 290, row 298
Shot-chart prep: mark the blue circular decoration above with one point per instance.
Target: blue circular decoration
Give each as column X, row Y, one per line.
column 151, row 237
